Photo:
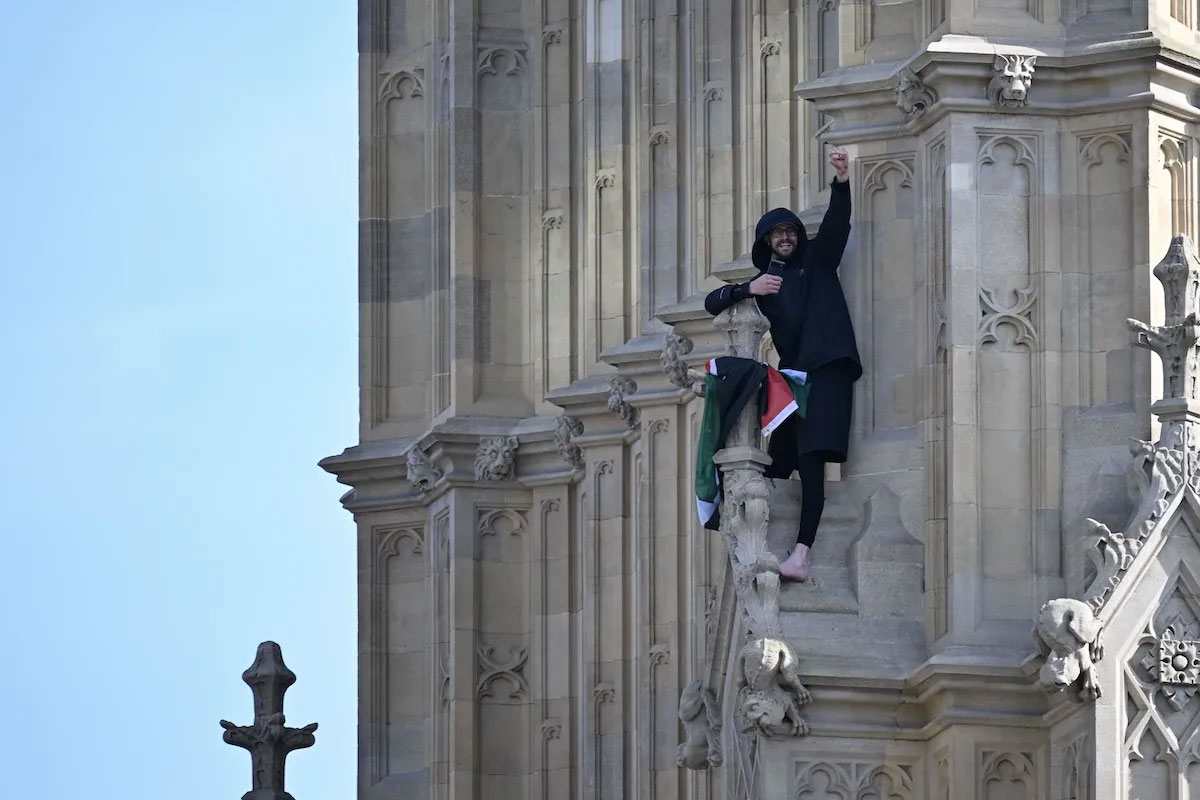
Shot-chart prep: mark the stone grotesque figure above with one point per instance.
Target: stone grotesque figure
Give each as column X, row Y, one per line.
column 1068, row 635
column 772, row 692
column 1014, row 76
column 913, row 98
column 701, row 720
column 422, row 474
column 495, row 458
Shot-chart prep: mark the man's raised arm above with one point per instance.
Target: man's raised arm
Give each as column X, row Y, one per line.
column 835, row 227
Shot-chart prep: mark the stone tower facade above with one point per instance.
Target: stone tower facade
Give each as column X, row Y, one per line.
column 548, row 187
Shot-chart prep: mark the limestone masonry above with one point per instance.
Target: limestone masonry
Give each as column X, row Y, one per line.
column 1004, row 596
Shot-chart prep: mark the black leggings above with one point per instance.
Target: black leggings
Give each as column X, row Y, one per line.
column 811, row 467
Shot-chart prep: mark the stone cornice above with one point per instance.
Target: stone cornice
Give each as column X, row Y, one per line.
column 382, row 477
column 1071, row 77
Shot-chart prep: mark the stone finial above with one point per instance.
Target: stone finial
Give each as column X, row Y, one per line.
column 268, row 739
column 1010, row 85
column 913, row 97
column 496, row 458
column 1179, row 274
column 422, row 474
column 1175, row 340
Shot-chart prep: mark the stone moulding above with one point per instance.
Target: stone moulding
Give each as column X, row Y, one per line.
column 1069, row 630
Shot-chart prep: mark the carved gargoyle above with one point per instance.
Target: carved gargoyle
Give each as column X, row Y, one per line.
column 1014, row 76
column 1068, row 635
column 495, row 458
column 701, row 747
column 771, row 692
column 422, row 474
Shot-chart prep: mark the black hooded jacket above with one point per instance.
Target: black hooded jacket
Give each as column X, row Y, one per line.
column 810, row 322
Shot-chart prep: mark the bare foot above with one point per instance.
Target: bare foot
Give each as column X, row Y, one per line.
column 796, row 566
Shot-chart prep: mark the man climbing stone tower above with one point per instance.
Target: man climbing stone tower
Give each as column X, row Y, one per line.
column 798, row 291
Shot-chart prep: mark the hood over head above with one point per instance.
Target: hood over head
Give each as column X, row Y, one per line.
column 760, row 253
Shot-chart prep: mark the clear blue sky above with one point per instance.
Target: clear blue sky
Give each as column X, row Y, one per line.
column 178, row 312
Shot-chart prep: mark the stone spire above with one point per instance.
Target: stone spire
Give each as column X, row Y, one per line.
column 1068, row 633
column 268, row 739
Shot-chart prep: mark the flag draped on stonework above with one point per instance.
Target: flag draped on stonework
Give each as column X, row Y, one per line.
column 729, row 385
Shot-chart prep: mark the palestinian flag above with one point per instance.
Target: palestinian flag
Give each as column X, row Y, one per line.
column 729, row 385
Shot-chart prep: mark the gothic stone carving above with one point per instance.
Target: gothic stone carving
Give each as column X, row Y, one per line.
column 509, row 669
column 1172, row 661
column 269, row 740
column 1160, row 469
column 565, row 429
column 913, row 97
column 852, row 779
column 422, row 474
column 771, row 693
column 673, row 364
column 701, row 718
column 1018, row 314
column 1178, row 660
column 1068, row 635
column 620, row 387
column 401, row 84
column 495, row 459
column 1010, row 85
column 491, row 59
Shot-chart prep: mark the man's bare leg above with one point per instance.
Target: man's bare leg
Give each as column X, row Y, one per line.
column 796, row 566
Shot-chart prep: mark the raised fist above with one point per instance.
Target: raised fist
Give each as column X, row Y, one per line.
column 840, row 161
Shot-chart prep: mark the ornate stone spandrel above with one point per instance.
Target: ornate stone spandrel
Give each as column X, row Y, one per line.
column 269, row 740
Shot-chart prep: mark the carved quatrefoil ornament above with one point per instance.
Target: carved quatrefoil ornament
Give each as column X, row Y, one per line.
column 1178, row 661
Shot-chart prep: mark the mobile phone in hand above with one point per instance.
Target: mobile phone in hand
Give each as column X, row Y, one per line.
column 775, row 267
